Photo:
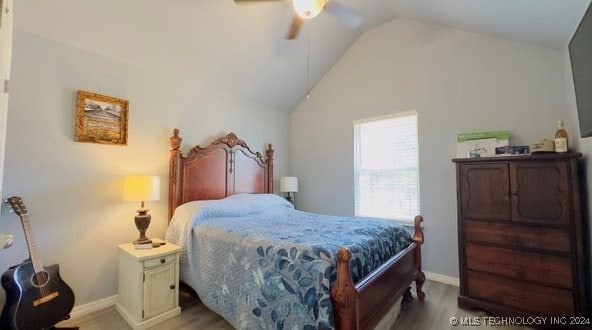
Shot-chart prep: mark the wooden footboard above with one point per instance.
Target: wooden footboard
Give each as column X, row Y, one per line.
column 362, row 305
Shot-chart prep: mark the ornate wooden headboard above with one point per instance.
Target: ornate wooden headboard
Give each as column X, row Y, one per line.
column 226, row 167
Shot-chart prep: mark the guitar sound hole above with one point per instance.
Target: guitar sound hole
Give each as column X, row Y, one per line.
column 40, row 279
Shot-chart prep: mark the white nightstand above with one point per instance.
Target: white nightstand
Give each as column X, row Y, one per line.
column 148, row 284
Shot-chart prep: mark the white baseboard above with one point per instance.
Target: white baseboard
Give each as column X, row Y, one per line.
column 442, row 278
column 148, row 322
column 93, row 306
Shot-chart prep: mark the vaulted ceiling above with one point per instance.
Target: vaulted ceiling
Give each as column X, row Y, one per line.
column 242, row 49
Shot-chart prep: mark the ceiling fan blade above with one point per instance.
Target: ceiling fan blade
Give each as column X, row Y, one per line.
column 239, row 1
column 296, row 24
column 346, row 15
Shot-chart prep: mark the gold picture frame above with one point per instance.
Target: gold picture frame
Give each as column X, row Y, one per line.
column 101, row 119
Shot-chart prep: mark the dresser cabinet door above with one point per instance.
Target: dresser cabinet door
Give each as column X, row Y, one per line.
column 485, row 191
column 159, row 290
column 540, row 192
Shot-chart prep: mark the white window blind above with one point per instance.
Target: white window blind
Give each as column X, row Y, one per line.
column 386, row 167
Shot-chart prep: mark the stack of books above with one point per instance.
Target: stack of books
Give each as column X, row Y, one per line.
column 144, row 246
column 156, row 242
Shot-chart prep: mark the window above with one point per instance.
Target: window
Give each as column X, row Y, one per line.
column 386, row 167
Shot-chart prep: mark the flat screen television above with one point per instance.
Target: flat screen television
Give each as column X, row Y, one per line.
column 580, row 52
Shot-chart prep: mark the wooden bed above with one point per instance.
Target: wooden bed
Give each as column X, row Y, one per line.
column 228, row 166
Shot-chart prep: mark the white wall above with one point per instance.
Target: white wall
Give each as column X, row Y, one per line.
column 74, row 191
column 458, row 82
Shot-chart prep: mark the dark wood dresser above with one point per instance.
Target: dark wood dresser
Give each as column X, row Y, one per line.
column 521, row 235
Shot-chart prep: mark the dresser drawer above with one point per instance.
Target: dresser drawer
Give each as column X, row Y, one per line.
column 541, row 268
column 533, row 298
column 159, row 261
column 519, row 236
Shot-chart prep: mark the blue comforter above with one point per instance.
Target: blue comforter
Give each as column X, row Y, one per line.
column 261, row 264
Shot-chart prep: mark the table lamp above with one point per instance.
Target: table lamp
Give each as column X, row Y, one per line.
column 142, row 189
column 289, row 185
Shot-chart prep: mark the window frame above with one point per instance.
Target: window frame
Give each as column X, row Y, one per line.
column 357, row 146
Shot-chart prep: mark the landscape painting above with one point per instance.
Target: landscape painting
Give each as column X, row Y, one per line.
column 101, row 119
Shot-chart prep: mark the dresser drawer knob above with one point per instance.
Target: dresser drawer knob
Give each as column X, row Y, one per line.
column 162, row 260
column 172, row 287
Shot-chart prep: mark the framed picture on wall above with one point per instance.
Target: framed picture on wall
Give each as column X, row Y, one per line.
column 101, row 119
column 1, row 11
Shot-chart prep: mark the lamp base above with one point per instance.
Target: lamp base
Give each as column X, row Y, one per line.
column 142, row 221
column 290, row 197
column 142, row 242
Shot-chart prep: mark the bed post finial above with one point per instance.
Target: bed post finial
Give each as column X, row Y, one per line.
column 174, row 171
column 176, row 140
column 344, row 294
column 269, row 153
column 418, row 235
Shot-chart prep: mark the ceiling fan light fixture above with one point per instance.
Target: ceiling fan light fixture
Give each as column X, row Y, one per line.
column 308, row 8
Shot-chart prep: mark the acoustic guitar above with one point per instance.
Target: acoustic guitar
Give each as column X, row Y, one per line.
column 36, row 296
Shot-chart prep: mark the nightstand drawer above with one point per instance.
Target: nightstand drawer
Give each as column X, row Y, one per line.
column 159, row 261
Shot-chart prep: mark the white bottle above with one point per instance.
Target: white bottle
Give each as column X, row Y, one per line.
column 561, row 139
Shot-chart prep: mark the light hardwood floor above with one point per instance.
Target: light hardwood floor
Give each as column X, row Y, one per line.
column 434, row 313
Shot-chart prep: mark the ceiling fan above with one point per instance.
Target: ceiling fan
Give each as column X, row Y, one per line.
column 307, row 9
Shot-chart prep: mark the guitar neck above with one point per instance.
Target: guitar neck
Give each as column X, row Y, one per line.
column 33, row 252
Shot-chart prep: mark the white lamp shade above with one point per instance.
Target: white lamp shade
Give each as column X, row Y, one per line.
column 288, row 184
column 141, row 188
